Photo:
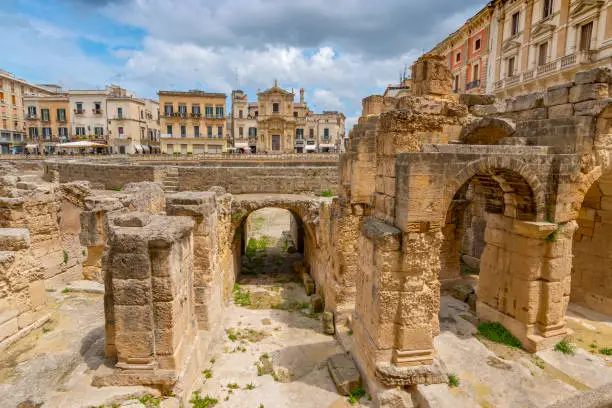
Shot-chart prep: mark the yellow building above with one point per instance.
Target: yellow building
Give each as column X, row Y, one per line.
column 47, row 121
column 192, row 122
column 132, row 124
column 276, row 120
column 12, row 121
column 540, row 43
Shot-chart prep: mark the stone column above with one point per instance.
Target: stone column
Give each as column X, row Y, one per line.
column 562, row 31
column 527, row 35
column 525, row 274
column 149, row 315
column 498, row 47
column 207, row 279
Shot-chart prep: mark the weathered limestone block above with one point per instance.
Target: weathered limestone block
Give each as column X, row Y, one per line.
column 143, row 196
column 328, row 323
column 532, row 114
column 344, row 373
column 580, row 93
column 557, row 96
column 472, row 99
column 561, row 111
column 592, row 108
column 595, row 75
column 497, row 108
column 525, row 102
column 430, row 76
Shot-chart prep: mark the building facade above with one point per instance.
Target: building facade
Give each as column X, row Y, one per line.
column 12, row 113
column 276, row 123
column 48, row 121
column 541, row 43
column 192, row 122
column 513, row 47
column 467, row 53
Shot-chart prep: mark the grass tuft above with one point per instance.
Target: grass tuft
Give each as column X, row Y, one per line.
column 198, row 402
column 356, row 394
column 565, row 347
column 606, row 351
column 207, row 373
column 497, row 333
column 326, row 193
column 453, row 381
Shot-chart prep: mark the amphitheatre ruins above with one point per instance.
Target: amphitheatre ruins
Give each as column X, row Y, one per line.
column 133, row 282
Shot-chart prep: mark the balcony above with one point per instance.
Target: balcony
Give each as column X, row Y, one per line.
column 79, row 111
column 472, row 85
column 31, row 116
column 96, row 111
column 196, row 115
column 560, row 64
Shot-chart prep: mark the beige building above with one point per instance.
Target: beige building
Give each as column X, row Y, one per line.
column 47, row 121
column 192, row 122
column 132, row 124
column 12, row 112
column 276, row 123
column 539, row 43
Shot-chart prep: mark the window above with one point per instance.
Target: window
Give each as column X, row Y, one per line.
column 515, row 23
column 1, row 96
column 33, row 133
column 79, row 107
column 182, row 110
column 141, row 114
column 168, row 109
column 209, row 111
column 46, row 132
column 586, row 32
column 219, row 111
column 547, row 12
column 31, row 110
column 456, row 81
column 121, row 132
column 209, row 131
column 510, row 67
column 119, row 113
column 13, row 100
column 252, row 132
column 62, row 132
column 195, row 110
column 80, row 131
column 97, row 108
column 477, row 44
column 311, row 132
column 240, row 132
column 220, row 132
column 169, row 130
column 458, row 57
column 98, row 131
column 44, row 114
column 475, row 72
column 326, row 133
column 299, row 133
column 196, row 130
column 295, row 114
column 275, row 107
column 61, row 115
column 240, row 114
column 542, row 53
column 183, row 131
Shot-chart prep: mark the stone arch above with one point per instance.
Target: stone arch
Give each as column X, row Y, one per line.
column 487, row 131
column 513, row 176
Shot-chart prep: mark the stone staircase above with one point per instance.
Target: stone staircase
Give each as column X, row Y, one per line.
column 171, row 180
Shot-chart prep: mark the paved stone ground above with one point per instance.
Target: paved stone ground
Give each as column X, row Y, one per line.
column 53, row 366
column 494, row 375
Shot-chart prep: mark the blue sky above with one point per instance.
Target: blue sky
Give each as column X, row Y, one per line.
column 339, row 52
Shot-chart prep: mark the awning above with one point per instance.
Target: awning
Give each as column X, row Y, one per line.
column 330, row 145
column 81, row 144
column 146, row 148
column 138, row 148
column 50, row 144
column 241, row 145
column 31, row 146
column 311, row 147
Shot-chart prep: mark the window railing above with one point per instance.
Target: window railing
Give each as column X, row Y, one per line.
column 79, row 111
column 96, row 111
column 472, row 85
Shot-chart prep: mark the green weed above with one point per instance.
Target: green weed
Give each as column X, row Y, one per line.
column 356, row 394
column 453, row 381
column 207, row 373
column 606, row 351
column 198, row 402
column 565, row 347
column 497, row 333
column 326, row 193
column 250, row 386
column 65, row 257
column 150, row 401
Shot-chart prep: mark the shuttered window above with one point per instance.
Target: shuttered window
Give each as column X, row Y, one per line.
column 586, row 33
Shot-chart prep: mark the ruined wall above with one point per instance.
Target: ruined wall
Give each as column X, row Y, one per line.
column 22, row 286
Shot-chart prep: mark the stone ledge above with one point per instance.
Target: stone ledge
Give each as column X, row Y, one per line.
column 14, row 239
column 393, row 376
column 42, row 319
column 384, row 235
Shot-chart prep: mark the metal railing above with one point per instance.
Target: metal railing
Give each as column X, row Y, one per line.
column 472, row 85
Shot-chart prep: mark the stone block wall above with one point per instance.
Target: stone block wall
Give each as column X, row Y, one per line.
column 22, row 287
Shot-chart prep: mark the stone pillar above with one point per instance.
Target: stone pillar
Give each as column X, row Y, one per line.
column 498, row 47
column 527, row 35
column 207, row 279
column 397, row 302
column 525, row 274
column 562, row 31
column 149, row 315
